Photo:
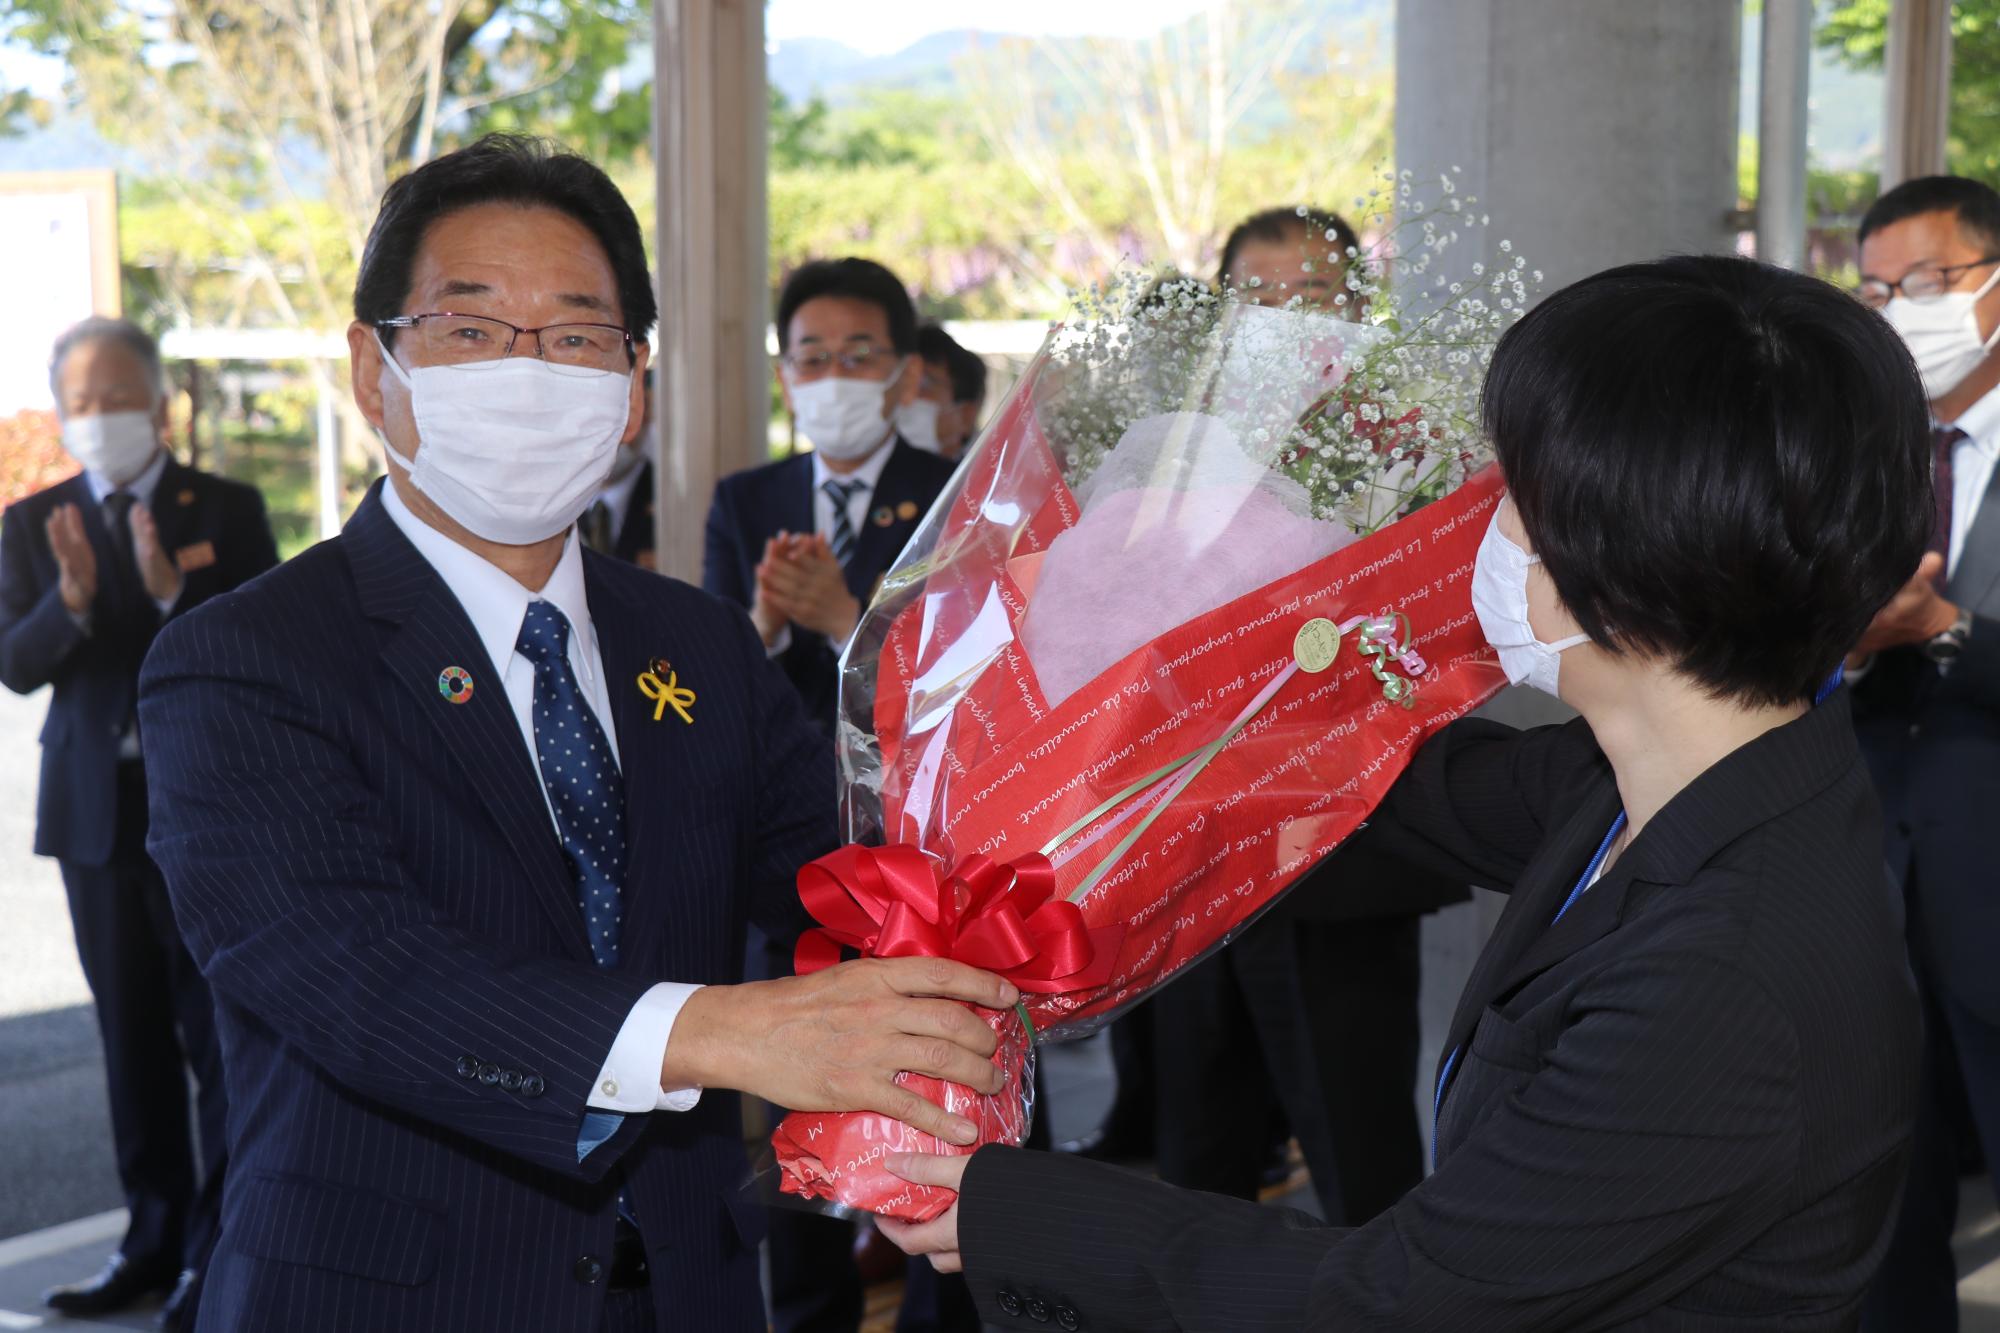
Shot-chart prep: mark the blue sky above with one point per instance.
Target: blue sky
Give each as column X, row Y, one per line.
column 879, row 27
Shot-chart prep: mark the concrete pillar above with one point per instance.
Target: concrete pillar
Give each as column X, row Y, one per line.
column 1917, row 94
column 713, row 373
column 1785, row 63
column 1593, row 134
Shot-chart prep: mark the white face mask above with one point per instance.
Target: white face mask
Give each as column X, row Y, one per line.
column 117, row 446
column 844, row 418
column 1942, row 335
column 1500, row 600
column 513, row 449
column 918, row 423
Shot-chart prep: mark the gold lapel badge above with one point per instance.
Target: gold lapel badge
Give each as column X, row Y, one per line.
column 185, row 498
column 906, row 510
column 659, row 683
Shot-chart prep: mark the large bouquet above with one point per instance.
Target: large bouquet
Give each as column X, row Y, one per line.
column 1178, row 623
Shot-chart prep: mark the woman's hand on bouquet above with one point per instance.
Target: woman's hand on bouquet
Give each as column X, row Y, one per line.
column 937, row 1239
column 836, row 1039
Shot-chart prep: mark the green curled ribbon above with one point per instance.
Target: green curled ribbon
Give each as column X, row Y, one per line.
column 1381, row 651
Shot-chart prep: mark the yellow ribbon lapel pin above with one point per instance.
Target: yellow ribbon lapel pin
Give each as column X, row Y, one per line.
column 662, row 686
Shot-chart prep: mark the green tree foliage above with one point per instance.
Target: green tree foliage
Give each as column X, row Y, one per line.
column 1052, row 163
column 1858, row 31
column 276, row 124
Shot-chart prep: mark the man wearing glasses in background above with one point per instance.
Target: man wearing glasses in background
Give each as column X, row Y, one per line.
column 801, row 544
column 463, row 824
column 1927, row 708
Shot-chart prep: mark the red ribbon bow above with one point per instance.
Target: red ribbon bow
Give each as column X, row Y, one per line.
column 892, row 902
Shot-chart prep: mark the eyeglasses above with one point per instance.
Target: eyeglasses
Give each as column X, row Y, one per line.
column 855, row 358
column 447, row 339
column 1926, row 283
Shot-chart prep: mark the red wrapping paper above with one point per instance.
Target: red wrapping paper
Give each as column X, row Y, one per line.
column 1175, row 796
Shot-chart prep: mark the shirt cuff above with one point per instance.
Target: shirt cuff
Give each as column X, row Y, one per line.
column 630, row 1079
column 80, row 619
column 778, row 646
column 1851, row 674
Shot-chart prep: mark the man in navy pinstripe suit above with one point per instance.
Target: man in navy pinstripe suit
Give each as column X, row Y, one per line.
column 464, row 824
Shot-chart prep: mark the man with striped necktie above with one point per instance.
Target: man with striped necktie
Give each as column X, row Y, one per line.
column 1927, row 711
column 801, row 544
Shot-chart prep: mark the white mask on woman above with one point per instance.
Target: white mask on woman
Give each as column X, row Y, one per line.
column 117, row 446
column 513, row 449
column 844, row 418
column 1500, row 600
column 1942, row 335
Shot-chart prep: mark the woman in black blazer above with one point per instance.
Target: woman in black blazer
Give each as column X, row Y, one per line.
column 1677, row 1093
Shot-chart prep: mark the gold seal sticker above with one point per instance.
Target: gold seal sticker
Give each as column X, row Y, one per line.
column 1317, row 644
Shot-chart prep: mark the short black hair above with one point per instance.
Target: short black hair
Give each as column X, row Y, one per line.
column 1975, row 204
column 860, row 279
column 1277, row 224
column 967, row 370
column 503, row 169
column 1721, row 463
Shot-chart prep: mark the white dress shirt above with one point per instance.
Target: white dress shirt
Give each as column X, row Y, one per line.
column 869, row 473
column 496, row 605
column 1972, row 461
column 141, row 489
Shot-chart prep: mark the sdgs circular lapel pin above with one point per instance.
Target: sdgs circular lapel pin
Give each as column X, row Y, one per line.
column 455, row 684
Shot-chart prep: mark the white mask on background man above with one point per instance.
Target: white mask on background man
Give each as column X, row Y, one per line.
column 844, row 418
column 117, row 446
column 1500, row 600
column 918, row 423
column 514, row 449
column 1942, row 335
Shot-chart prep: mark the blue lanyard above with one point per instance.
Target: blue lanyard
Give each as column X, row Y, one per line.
column 1820, row 696
column 1582, row 883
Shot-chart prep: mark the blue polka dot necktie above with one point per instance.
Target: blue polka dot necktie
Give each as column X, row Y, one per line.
column 581, row 776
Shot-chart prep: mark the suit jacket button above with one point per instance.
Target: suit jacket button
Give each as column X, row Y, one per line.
column 587, row 1269
column 1038, row 1310
column 510, row 1080
column 1067, row 1319
column 489, row 1075
column 532, row 1085
column 468, row 1067
column 1010, row 1304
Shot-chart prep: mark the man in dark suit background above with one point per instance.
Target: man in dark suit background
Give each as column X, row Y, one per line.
column 801, row 544
column 619, row 521
column 90, row 569
column 1927, row 709
column 944, row 416
column 463, row 823
column 1314, row 1011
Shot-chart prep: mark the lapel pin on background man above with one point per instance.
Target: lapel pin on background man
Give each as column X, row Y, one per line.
column 90, row 569
column 475, row 963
